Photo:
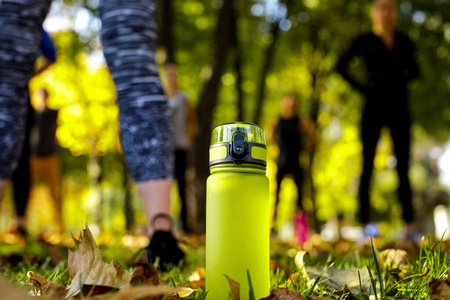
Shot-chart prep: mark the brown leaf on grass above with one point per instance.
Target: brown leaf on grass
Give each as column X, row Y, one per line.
column 86, row 267
column 235, row 288
column 144, row 273
column 393, row 259
column 93, row 290
column 283, row 294
column 139, row 292
column 440, row 289
column 51, row 288
column 347, row 292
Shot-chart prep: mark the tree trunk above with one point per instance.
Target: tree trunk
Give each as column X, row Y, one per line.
column 166, row 30
column 268, row 58
column 205, row 108
column 238, row 67
column 314, row 114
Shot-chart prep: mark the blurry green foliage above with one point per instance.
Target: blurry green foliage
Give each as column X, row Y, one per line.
column 314, row 34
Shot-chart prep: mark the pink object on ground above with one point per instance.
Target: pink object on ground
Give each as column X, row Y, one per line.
column 301, row 227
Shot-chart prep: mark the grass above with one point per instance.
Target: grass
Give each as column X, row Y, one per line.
column 431, row 262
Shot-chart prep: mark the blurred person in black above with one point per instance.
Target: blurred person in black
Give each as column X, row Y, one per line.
column 388, row 56
column 293, row 135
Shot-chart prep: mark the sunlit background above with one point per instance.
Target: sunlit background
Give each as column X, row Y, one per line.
column 311, row 35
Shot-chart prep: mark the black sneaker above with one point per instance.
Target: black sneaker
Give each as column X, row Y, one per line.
column 163, row 245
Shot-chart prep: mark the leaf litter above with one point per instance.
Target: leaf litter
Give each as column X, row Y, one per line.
column 92, row 278
column 95, row 279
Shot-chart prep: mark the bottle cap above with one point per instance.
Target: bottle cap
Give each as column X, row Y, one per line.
column 238, row 143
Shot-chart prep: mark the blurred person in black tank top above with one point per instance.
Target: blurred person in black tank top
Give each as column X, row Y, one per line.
column 293, row 135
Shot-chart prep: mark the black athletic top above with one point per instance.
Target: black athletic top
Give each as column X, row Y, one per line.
column 388, row 71
column 289, row 141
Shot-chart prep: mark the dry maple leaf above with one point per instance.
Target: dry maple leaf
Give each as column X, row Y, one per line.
column 144, row 273
column 235, row 288
column 86, row 267
column 139, row 292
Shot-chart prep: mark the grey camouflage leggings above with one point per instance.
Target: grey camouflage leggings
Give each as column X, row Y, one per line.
column 129, row 39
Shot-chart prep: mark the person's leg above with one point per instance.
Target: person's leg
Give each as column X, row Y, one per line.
column 400, row 133
column 52, row 177
column 370, row 132
column 301, row 226
column 180, row 171
column 3, row 185
column 281, row 172
column 298, row 179
column 129, row 39
column 150, row 192
column 21, row 23
column 21, row 178
column 21, row 187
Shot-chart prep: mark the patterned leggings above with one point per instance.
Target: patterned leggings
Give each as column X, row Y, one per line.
column 21, row 27
column 129, row 39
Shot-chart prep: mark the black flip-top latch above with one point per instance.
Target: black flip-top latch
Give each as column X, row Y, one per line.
column 239, row 148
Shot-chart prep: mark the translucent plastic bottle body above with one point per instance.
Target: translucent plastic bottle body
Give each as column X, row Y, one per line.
column 237, row 231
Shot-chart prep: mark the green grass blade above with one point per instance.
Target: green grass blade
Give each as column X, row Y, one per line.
column 374, row 284
column 251, row 292
column 377, row 265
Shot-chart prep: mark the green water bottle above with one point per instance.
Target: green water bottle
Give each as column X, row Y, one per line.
column 237, row 212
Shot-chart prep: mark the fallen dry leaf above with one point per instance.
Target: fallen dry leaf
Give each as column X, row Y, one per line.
column 299, row 262
column 186, row 292
column 139, row 292
column 91, row 290
column 393, row 259
column 51, row 288
column 144, row 273
column 347, row 292
column 235, row 288
column 440, row 289
column 283, row 294
column 334, row 279
column 86, row 267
